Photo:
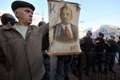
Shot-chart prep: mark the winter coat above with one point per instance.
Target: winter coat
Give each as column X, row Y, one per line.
column 21, row 59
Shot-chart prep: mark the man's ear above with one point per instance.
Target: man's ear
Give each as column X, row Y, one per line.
column 16, row 13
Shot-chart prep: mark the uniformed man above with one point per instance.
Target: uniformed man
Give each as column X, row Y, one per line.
column 110, row 55
column 119, row 50
column 100, row 46
column 87, row 45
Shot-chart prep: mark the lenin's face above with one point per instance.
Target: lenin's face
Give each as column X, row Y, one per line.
column 66, row 15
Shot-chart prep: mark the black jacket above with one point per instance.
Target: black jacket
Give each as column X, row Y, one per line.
column 100, row 46
column 113, row 46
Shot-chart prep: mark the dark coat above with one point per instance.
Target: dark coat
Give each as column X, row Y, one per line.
column 86, row 43
column 113, row 46
column 100, row 46
column 21, row 59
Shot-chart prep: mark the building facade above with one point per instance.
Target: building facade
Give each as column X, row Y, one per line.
column 108, row 30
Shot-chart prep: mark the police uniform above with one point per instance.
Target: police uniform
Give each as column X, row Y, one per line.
column 63, row 67
column 110, row 55
column 99, row 47
column 119, row 50
column 86, row 44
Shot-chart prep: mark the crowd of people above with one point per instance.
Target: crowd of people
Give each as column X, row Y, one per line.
column 23, row 50
column 97, row 53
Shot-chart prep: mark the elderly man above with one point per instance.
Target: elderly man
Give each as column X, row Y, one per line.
column 65, row 31
column 21, row 56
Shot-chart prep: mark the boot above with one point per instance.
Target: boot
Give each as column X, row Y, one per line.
column 87, row 74
column 105, row 70
column 100, row 70
column 111, row 70
column 94, row 70
column 67, row 78
column 80, row 77
column 75, row 73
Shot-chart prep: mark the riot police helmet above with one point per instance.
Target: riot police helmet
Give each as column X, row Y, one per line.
column 101, row 34
column 41, row 23
column 6, row 17
column 89, row 32
column 111, row 36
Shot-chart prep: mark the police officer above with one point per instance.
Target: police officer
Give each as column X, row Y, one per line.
column 119, row 50
column 86, row 44
column 100, row 46
column 45, row 46
column 6, row 17
column 110, row 54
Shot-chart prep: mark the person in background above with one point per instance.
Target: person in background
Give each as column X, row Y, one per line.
column 6, row 17
column 110, row 55
column 99, row 46
column 45, row 47
column 119, row 50
column 87, row 45
column 21, row 56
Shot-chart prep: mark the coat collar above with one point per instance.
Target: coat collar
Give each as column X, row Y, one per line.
column 10, row 26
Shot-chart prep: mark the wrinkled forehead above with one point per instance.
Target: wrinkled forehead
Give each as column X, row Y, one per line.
column 23, row 9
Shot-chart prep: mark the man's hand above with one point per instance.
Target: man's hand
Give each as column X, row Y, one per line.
column 97, row 41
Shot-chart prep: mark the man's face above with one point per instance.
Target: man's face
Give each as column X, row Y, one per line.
column 112, row 39
column 66, row 16
column 24, row 15
column 100, row 36
column 89, row 35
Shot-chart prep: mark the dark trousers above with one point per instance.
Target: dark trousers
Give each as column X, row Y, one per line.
column 109, row 60
column 119, row 57
column 74, row 62
column 63, row 66
column 97, row 59
column 47, row 68
column 85, row 61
